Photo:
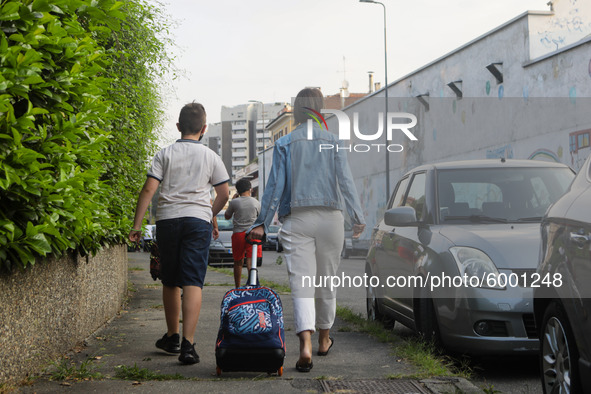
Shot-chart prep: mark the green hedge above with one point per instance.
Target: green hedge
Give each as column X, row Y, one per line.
column 79, row 114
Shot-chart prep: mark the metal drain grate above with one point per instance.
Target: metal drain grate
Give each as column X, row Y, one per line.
column 373, row 386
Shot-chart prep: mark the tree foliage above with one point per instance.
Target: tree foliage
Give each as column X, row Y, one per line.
column 79, row 114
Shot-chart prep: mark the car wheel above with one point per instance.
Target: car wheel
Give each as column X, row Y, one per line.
column 559, row 354
column 373, row 310
column 428, row 326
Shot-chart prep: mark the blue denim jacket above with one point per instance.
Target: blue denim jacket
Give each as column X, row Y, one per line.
column 304, row 176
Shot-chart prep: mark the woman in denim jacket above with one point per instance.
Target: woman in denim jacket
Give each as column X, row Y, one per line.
column 306, row 185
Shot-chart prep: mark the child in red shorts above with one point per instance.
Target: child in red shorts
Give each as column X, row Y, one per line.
column 244, row 210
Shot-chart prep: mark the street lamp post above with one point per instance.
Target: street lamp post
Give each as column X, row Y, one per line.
column 386, row 98
column 264, row 145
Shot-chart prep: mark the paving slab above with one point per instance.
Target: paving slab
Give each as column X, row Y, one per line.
column 357, row 363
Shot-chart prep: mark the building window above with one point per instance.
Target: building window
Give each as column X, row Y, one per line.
column 583, row 140
column 579, row 140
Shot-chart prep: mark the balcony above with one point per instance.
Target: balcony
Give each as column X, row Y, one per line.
column 260, row 144
column 239, row 163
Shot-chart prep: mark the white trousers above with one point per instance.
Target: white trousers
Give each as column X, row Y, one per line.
column 312, row 240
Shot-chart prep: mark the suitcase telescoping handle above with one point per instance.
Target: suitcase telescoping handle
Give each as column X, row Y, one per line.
column 253, row 277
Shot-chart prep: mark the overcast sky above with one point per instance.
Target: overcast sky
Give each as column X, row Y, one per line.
column 232, row 51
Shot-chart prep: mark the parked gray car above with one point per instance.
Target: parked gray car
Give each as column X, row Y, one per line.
column 453, row 257
column 272, row 239
column 220, row 250
column 562, row 300
column 353, row 246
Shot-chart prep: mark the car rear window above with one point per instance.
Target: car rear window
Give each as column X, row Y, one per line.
column 224, row 224
column 501, row 194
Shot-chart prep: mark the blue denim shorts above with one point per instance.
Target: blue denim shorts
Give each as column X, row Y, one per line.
column 184, row 250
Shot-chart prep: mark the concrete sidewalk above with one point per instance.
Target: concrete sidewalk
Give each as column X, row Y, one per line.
column 356, row 364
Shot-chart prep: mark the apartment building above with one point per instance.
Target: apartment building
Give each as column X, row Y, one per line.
column 243, row 132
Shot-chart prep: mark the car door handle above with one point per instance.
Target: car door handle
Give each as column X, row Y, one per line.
column 579, row 239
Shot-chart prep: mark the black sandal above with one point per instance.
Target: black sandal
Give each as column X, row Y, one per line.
column 304, row 367
column 326, row 352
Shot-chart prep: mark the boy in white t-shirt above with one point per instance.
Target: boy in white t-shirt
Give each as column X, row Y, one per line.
column 185, row 172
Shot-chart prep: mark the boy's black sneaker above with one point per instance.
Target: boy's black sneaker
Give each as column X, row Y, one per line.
column 188, row 353
column 169, row 344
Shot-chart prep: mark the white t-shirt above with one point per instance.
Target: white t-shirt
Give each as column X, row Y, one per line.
column 187, row 170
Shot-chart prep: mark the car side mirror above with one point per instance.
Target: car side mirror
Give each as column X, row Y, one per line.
column 401, row 217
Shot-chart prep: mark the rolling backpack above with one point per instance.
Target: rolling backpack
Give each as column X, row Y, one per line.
column 251, row 336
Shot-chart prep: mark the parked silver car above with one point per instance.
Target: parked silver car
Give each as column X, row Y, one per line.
column 454, row 255
column 353, row 246
column 272, row 239
column 562, row 300
column 220, row 250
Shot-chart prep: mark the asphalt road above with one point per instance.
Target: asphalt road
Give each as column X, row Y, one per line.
column 511, row 374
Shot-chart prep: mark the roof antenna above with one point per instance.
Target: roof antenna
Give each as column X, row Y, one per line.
column 345, row 86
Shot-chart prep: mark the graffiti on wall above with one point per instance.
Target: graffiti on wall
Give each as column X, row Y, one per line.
column 579, row 147
column 570, row 23
column 579, row 143
column 575, row 21
column 544, row 155
column 505, row 152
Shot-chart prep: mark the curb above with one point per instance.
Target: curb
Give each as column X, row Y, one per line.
column 441, row 385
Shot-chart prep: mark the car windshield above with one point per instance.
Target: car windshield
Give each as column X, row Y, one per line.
column 224, row 224
column 498, row 195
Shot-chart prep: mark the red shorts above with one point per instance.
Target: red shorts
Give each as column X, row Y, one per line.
column 241, row 248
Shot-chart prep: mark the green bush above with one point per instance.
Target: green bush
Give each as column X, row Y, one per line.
column 79, row 113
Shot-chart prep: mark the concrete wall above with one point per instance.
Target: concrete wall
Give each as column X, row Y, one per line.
column 47, row 309
column 568, row 23
column 536, row 112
